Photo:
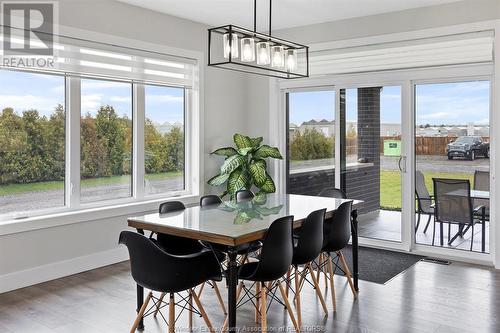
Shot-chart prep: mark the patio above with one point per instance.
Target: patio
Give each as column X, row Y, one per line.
column 386, row 225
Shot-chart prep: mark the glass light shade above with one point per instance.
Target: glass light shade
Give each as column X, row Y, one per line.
column 247, row 49
column 277, row 57
column 291, row 60
column 234, row 46
column 263, row 53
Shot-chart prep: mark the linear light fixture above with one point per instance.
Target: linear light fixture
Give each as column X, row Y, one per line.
column 239, row 49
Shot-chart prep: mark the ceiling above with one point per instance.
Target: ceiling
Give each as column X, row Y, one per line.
column 286, row 13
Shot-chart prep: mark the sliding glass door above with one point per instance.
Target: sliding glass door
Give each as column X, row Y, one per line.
column 452, row 140
column 371, row 157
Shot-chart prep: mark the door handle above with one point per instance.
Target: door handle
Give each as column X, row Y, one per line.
column 402, row 169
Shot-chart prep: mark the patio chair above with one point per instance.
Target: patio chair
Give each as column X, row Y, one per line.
column 425, row 203
column 482, row 183
column 454, row 206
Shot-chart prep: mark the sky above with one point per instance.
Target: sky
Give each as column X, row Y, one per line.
column 23, row 91
column 436, row 104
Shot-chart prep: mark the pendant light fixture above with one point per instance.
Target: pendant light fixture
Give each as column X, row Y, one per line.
column 236, row 48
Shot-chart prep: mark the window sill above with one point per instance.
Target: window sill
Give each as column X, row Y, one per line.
column 13, row 226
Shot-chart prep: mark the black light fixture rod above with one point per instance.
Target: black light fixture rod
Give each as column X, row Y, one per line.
column 254, row 15
column 270, row 15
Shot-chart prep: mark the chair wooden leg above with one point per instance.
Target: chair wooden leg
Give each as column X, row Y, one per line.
column 141, row 313
column 158, row 306
column 297, row 298
column 219, row 297
column 257, row 303
column 171, row 314
column 347, row 273
column 201, row 289
column 203, row 313
column 332, row 284
column 288, row 307
column 318, row 291
column 190, row 301
column 263, row 308
column 288, row 280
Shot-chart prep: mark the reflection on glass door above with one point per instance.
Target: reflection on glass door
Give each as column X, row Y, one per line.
column 371, row 161
column 311, row 141
column 452, row 138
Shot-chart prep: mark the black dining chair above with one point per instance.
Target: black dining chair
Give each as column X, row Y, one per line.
column 274, row 261
column 482, row 183
column 337, row 233
column 308, row 243
column 185, row 246
column 210, row 200
column 243, row 195
column 157, row 270
column 425, row 204
column 332, row 192
column 454, row 206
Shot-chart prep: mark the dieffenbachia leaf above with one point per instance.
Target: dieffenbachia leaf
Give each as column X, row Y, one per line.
column 267, row 151
column 268, row 185
column 256, row 141
column 238, row 179
column 266, row 211
column 231, row 163
column 241, row 218
column 242, row 141
column 258, row 171
column 244, row 151
column 260, row 198
column 218, row 180
column 226, row 151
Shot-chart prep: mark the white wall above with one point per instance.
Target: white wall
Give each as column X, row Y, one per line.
column 39, row 255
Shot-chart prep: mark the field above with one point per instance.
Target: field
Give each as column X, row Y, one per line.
column 86, row 183
column 390, row 185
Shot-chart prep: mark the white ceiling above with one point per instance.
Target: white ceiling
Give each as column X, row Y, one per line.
column 286, row 13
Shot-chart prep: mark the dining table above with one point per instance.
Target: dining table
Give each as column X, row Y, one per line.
column 232, row 224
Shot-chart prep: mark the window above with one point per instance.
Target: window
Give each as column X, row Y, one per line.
column 105, row 140
column 164, row 139
column 311, row 141
column 32, row 142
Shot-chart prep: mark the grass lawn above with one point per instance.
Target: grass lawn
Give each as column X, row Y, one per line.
column 91, row 182
column 390, row 185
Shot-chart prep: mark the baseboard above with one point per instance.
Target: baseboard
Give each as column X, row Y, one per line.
column 39, row 274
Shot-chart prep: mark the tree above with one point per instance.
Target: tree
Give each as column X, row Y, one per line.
column 310, row 145
column 111, row 132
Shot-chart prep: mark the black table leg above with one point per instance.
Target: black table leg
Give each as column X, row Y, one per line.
column 354, row 234
column 232, row 283
column 140, row 295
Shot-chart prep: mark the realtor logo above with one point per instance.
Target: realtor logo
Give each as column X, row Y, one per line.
column 28, row 28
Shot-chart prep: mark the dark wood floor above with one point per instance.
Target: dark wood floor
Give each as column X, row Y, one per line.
column 426, row 298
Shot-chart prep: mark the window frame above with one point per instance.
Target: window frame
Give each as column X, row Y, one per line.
column 138, row 198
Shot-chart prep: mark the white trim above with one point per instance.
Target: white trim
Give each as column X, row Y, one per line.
column 495, row 152
column 131, row 207
column 138, row 123
column 73, row 102
column 43, row 273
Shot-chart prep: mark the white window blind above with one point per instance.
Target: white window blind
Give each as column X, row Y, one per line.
column 83, row 57
column 457, row 49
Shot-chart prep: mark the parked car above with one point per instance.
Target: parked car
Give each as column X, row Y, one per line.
column 468, row 147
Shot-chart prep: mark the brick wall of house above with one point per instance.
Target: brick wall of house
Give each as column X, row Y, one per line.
column 364, row 182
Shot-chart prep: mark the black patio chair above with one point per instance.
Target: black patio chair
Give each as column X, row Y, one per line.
column 454, row 206
column 425, row 204
column 157, row 270
column 482, row 183
column 266, row 273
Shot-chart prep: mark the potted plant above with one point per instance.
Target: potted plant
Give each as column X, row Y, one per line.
column 245, row 166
